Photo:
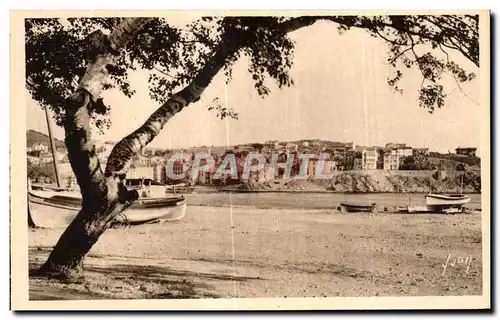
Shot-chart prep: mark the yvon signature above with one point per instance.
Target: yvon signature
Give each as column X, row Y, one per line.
column 457, row 262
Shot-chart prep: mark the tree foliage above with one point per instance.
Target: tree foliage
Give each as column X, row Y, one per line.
column 57, row 52
column 424, row 42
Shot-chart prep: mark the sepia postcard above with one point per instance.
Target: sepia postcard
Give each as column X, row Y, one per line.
column 250, row 160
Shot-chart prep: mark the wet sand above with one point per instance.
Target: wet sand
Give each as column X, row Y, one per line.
column 244, row 251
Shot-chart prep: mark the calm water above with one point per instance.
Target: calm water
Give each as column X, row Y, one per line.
column 310, row 200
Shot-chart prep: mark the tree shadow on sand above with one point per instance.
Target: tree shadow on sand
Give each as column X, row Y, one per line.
column 126, row 281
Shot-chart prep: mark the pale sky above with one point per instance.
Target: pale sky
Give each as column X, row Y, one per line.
column 340, row 94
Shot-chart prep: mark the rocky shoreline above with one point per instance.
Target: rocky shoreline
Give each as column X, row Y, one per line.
column 378, row 181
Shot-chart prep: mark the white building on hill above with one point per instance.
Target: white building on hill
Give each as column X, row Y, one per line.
column 369, row 158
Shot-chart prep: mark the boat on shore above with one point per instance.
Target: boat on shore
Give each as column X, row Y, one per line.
column 428, row 209
column 179, row 188
column 352, row 207
column 444, row 201
column 57, row 208
column 141, row 183
column 438, row 203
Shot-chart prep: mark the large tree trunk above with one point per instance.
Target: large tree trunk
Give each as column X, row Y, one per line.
column 102, row 197
column 66, row 260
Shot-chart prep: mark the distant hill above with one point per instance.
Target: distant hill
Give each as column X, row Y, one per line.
column 33, row 137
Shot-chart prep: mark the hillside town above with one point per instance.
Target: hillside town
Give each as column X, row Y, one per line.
column 153, row 163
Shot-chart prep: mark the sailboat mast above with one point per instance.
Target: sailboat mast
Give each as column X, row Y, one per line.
column 52, row 146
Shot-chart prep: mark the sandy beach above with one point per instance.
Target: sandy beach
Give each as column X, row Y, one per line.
column 246, row 252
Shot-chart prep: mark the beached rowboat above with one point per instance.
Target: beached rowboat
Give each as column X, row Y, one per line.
column 446, row 200
column 350, row 207
column 56, row 209
column 429, row 209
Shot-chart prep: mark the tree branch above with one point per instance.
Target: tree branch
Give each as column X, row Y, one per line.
column 161, row 71
column 401, row 53
column 455, row 78
column 461, row 21
column 297, row 23
column 450, row 32
column 417, row 59
column 81, row 150
column 376, row 26
column 122, row 154
column 388, row 40
column 463, row 92
column 460, row 48
column 446, row 53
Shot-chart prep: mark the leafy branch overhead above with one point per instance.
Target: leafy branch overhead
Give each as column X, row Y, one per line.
column 57, row 52
column 426, row 42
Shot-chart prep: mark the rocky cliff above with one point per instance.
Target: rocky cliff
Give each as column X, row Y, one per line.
column 379, row 181
column 386, row 181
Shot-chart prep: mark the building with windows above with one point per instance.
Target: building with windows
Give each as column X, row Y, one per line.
column 404, row 152
column 369, row 158
column 142, row 161
column 469, row 151
column 391, row 160
column 39, row 147
column 357, row 164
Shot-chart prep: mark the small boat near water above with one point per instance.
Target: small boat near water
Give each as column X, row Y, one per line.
column 179, row 188
column 56, row 208
column 438, row 203
column 427, row 209
column 53, row 207
column 352, row 207
column 447, row 202
column 444, row 201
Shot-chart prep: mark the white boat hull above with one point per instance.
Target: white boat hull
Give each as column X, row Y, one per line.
column 49, row 216
column 437, row 200
column 429, row 209
column 44, row 213
column 137, row 215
